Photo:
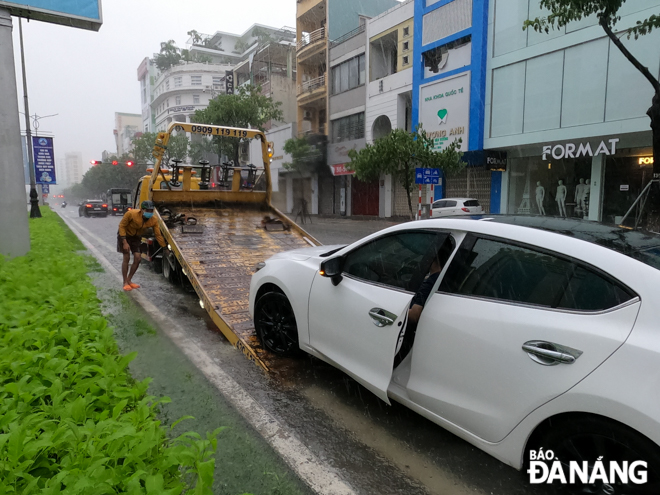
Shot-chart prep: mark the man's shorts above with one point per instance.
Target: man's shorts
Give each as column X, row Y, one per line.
column 134, row 242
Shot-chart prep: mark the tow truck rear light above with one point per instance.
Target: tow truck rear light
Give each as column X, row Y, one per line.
column 467, row 210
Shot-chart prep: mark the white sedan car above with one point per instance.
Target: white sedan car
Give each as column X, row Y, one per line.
column 456, row 206
column 537, row 333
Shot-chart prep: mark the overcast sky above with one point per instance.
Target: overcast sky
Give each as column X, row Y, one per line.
column 85, row 76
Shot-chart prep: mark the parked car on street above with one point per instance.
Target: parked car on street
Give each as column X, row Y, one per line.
column 456, row 206
column 538, row 332
column 93, row 207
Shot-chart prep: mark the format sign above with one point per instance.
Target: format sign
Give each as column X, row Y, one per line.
column 427, row 176
column 444, row 111
column 44, row 160
column 84, row 14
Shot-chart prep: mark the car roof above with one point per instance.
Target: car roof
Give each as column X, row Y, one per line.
column 94, row 201
column 455, row 199
column 637, row 244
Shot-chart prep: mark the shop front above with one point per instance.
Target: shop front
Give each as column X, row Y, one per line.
column 594, row 178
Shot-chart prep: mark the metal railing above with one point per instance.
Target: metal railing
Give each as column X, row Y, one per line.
column 311, row 85
column 348, row 35
column 309, row 38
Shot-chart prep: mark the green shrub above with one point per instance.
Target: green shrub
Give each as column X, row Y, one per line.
column 71, row 418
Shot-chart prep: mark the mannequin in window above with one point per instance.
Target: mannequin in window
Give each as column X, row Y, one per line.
column 579, row 196
column 540, row 195
column 560, row 198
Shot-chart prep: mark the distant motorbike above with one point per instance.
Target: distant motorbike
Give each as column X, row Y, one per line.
column 63, row 204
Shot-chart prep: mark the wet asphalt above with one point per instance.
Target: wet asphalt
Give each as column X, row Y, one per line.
column 375, row 448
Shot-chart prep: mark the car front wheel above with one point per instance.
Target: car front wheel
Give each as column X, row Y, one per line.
column 275, row 323
column 598, row 439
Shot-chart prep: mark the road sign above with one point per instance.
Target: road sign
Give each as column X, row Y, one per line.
column 427, row 176
column 45, row 189
column 44, row 160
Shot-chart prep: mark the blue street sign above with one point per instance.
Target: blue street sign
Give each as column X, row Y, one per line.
column 44, row 160
column 427, row 176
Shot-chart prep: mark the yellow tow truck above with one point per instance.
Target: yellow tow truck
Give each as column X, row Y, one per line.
column 217, row 232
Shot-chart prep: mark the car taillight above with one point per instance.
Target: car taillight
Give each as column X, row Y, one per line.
column 88, row 206
column 466, row 210
column 114, row 209
column 104, row 206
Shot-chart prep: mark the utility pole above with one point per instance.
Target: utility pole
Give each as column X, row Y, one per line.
column 34, row 196
column 15, row 240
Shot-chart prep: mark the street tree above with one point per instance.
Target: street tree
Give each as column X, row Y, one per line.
column 305, row 157
column 143, row 147
column 399, row 153
column 562, row 12
column 248, row 108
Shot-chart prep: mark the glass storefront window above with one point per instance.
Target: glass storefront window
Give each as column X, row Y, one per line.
column 553, row 188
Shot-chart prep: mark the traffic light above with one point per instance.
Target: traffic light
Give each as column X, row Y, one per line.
column 271, row 149
column 130, row 163
column 95, row 162
column 115, row 162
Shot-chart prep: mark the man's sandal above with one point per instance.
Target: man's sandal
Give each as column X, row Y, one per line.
column 127, row 287
column 134, row 286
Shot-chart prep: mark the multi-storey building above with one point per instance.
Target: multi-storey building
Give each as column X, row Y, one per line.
column 73, row 167
column 147, row 74
column 126, row 126
column 569, row 111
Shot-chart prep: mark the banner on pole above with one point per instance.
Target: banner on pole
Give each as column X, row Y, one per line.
column 44, row 160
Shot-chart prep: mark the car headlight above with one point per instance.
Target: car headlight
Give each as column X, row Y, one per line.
column 259, row 266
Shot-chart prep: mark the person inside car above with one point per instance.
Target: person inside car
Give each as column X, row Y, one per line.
column 421, row 296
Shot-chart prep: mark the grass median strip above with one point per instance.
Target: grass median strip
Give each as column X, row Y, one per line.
column 72, row 420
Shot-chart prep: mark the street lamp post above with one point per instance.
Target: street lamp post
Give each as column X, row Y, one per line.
column 34, row 196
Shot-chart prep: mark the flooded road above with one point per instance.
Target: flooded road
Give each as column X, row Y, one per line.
column 374, row 448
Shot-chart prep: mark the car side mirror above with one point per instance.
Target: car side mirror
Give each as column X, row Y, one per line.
column 332, row 269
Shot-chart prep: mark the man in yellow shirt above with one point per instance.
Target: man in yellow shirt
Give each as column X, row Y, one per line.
column 129, row 238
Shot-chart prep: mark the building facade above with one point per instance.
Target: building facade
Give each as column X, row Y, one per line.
column 569, row 111
column 449, row 88
column 126, row 126
column 73, row 168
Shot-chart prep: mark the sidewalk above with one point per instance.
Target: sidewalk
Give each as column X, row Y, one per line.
column 345, row 230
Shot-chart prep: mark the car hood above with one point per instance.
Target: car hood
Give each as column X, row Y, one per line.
column 305, row 253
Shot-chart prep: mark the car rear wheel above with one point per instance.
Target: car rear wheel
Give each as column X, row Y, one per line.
column 595, row 438
column 275, row 323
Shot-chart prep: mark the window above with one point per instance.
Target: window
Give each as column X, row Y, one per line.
column 471, row 202
column 196, row 99
column 178, row 100
column 405, row 60
column 509, row 272
column 196, row 80
column 349, row 74
column 217, row 80
column 167, row 85
column 348, row 128
column 406, row 45
column 406, row 31
column 168, row 103
column 399, row 260
column 177, row 82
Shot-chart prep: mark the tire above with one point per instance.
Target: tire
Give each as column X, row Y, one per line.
column 167, row 270
column 275, row 324
column 589, row 438
column 157, row 265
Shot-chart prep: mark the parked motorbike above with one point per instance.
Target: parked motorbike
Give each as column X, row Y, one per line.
column 63, row 204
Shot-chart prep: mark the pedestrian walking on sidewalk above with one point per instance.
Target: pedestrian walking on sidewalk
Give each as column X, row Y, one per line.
column 129, row 238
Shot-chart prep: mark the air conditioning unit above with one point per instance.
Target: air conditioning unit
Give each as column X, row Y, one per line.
column 307, row 115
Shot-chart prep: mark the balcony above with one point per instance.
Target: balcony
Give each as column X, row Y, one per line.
column 309, row 39
column 311, row 85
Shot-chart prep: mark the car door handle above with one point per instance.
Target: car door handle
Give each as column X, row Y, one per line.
column 549, row 353
column 382, row 317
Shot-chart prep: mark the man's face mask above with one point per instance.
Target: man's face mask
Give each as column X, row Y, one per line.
column 147, row 214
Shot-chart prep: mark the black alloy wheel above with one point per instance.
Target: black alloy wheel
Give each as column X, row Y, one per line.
column 276, row 324
column 593, row 438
